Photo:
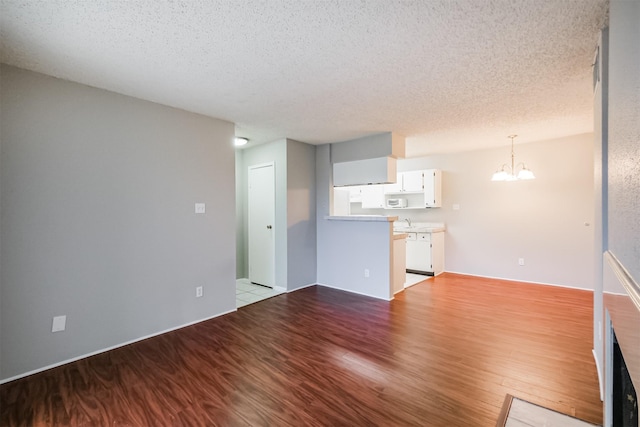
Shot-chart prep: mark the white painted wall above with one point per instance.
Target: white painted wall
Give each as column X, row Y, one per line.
column 541, row 221
column 600, row 98
column 98, row 223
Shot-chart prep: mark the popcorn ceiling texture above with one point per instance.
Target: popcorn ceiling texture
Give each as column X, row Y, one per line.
column 450, row 75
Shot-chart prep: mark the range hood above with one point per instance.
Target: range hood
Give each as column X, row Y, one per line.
column 379, row 170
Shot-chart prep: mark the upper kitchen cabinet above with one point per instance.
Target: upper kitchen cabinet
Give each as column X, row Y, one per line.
column 432, row 188
column 407, row 182
column 373, row 197
column 427, row 183
column 367, row 160
column 413, row 181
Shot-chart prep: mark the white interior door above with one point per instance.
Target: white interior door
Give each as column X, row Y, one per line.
column 262, row 207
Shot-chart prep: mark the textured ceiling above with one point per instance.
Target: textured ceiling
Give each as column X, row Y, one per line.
column 450, row 75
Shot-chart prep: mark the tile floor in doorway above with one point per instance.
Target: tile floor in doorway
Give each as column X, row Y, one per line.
column 248, row 293
column 413, row 278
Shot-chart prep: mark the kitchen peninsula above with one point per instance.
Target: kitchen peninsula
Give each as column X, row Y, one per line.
column 366, row 257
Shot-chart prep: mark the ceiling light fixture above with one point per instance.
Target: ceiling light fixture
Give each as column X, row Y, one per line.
column 503, row 175
column 241, row 141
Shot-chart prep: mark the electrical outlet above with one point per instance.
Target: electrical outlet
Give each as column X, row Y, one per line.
column 59, row 324
column 366, row 272
column 198, row 291
column 520, row 261
column 200, row 208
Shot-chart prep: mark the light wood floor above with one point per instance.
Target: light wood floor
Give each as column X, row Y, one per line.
column 444, row 353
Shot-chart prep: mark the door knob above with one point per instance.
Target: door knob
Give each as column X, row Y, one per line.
column 268, row 227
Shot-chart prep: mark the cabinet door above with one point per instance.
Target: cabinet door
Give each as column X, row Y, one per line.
column 437, row 252
column 341, row 202
column 372, row 197
column 412, row 181
column 419, row 255
column 355, row 194
column 432, row 188
column 394, row 188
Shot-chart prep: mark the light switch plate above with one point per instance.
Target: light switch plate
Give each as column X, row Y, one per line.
column 59, row 323
column 200, row 208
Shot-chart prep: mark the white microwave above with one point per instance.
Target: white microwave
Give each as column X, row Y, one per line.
column 396, row 203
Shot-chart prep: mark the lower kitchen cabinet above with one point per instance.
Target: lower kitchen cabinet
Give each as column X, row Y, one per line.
column 425, row 253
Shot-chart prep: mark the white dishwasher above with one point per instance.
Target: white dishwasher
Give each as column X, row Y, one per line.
column 419, row 253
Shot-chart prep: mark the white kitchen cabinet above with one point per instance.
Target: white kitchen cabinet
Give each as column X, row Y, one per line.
column 413, row 181
column 425, row 253
column 355, row 193
column 394, row 188
column 421, row 188
column 432, row 188
column 418, row 258
column 407, row 182
column 372, row 197
column 341, row 201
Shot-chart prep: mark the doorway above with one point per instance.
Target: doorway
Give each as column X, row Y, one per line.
column 261, row 220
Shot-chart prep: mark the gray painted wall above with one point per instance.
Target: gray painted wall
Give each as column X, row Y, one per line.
column 275, row 152
column 541, row 221
column 624, row 135
column 98, row 223
column 301, row 214
column 347, row 248
column 295, row 210
column 367, row 147
column 241, row 183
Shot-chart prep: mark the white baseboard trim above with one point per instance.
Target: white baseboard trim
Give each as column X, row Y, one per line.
column 600, row 379
column 354, row 292
column 302, row 287
column 521, row 281
column 113, row 347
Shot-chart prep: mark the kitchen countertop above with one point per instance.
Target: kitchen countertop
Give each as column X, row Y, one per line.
column 375, row 218
column 398, row 236
column 403, row 227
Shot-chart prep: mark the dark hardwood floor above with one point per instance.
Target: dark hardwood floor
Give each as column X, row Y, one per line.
column 443, row 353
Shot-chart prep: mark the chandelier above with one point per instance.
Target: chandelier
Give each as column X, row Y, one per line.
column 508, row 173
